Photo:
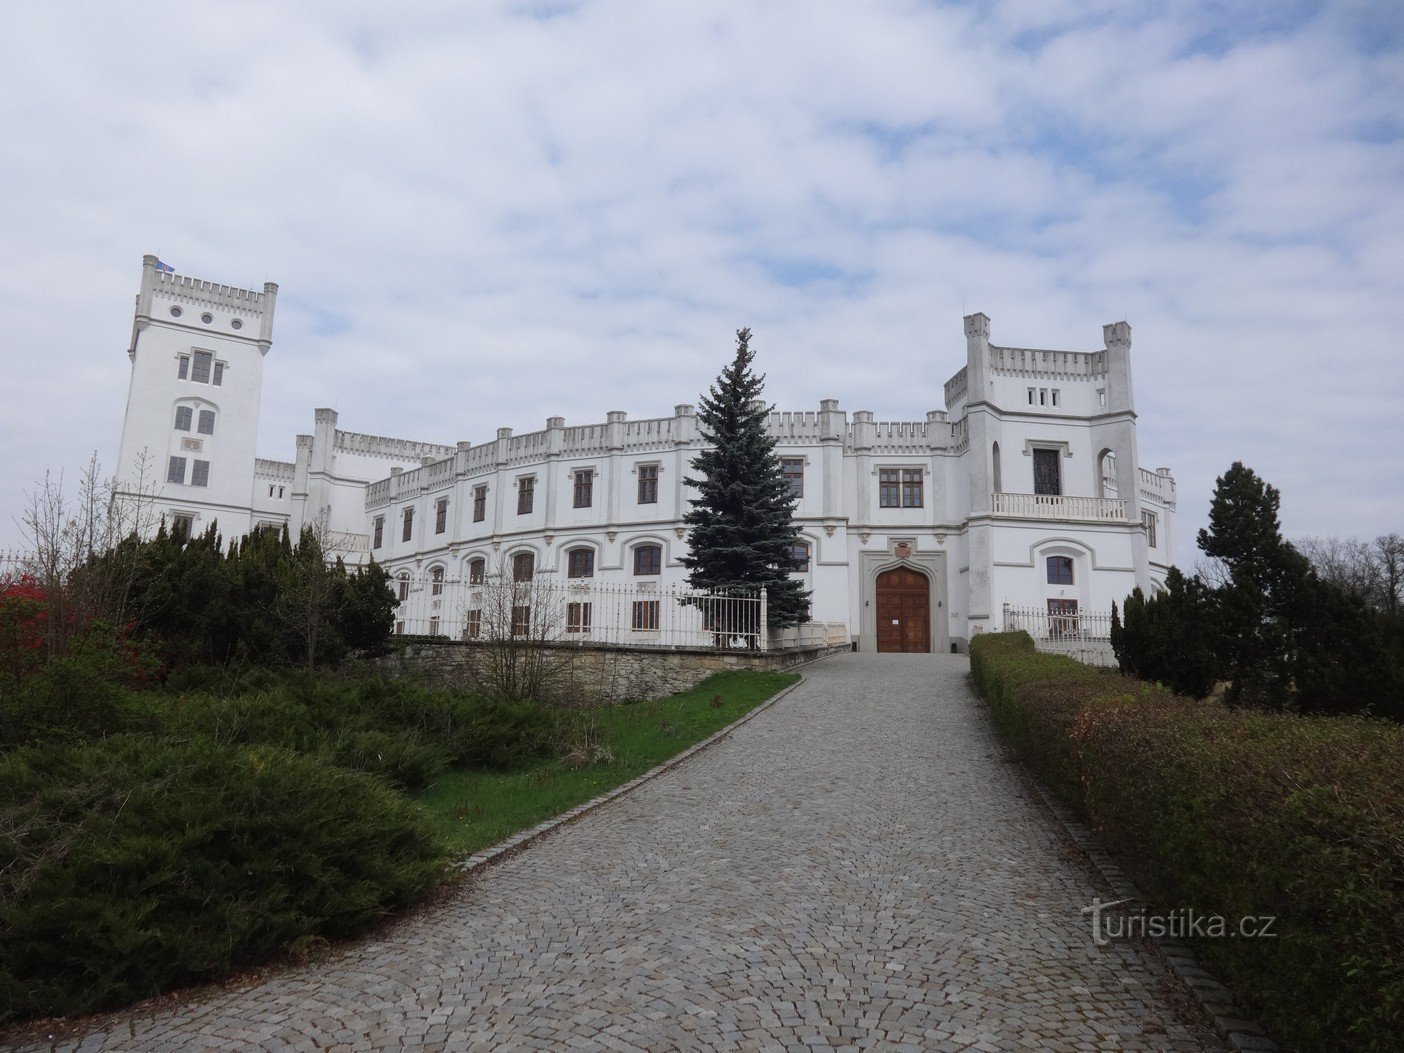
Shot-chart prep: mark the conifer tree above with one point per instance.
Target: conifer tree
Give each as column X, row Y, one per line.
column 741, row 525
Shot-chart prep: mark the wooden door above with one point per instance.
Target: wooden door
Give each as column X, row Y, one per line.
column 903, row 611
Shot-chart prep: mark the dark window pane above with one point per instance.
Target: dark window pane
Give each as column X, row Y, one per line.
column 1048, row 474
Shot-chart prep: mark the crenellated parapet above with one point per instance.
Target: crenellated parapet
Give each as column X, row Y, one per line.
column 390, row 449
column 275, row 471
column 183, row 301
column 1039, row 364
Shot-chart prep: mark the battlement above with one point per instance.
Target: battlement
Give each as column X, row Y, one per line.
column 396, row 449
column 191, row 290
column 276, row 470
column 1047, row 365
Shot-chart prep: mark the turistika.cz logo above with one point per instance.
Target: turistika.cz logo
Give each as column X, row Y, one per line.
column 1109, row 923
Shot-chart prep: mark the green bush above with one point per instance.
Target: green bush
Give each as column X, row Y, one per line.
column 129, row 866
column 406, row 733
column 69, row 699
column 1236, row 813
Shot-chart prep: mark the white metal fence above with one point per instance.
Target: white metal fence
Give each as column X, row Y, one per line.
column 585, row 611
column 1077, row 633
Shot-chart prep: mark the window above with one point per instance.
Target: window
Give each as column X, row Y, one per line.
column 175, row 471
column 648, row 484
column 526, row 494
column 1062, row 619
column 434, row 626
column 399, row 628
column 441, row 515
column 648, row 559
column 645, row 615
column 218, row 374
column 200, row 473
column 521, row 620
column 436, row 583
column 1149, row 518
column 580, row 563
column 473, row 629
column 183, row 415
column 900, row 488
column 181, row 526
column 201, row 367
column 379, row 535
column 183, row 370
column 477, row 571
column 578, row 617
column 1031, row 396
column 523, row 566
column 1060, row 570
column 792, row 468
column 479, row 503
column 403, row 585
column 1048, row 472
column 407, row 528
column 799, row 557
column 206, row 422
column 1055, row 396
column 584, row 488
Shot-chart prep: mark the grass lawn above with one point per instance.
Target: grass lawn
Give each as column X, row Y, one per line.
column 477, row 809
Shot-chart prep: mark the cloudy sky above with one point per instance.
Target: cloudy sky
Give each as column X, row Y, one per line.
column 487, row 214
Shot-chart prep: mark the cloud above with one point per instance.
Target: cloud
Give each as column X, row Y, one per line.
column 490, row 215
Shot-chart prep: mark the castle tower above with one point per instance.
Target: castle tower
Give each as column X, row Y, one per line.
column 190, row 432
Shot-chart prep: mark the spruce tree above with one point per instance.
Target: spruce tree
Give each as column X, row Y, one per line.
column 741, row 524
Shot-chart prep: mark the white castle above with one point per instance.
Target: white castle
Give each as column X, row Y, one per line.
column 1024, row 493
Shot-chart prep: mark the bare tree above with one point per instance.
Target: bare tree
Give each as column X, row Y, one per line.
column 519, row 625
column 75, row 547
column 1372, row 570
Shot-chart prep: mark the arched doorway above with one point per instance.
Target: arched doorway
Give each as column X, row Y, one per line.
column 903, row 611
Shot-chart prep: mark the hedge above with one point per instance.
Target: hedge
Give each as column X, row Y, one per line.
column 1234, row 813
column 131, row 865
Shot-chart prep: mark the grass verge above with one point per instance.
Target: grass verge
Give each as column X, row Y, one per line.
column 475, row 809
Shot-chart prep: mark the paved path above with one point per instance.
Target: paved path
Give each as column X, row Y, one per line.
column 858, row 867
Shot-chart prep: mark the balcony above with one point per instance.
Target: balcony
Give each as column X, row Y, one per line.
column 1057, row 506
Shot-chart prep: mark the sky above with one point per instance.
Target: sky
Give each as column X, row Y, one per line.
column 483, row 215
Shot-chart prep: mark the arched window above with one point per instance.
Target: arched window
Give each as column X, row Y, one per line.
column 799, row 557
column 580, row 563
column 523, row 566
column 436, row 582
column 998, row 475
column 477, row 571
column 1060, row 570
column 1106, row 470
column 403, row 579
column 648, row 559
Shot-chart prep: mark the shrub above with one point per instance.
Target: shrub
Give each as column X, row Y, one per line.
column 406, row 733
column 129, row 866
column 1236, row 813
column 69, row 699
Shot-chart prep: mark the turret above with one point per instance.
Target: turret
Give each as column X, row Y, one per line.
column 190, row 432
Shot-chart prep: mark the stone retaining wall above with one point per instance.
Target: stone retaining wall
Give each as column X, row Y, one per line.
column 583, row 674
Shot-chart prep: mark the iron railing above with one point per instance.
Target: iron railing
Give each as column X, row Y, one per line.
column 580, row 611
column 1076, row 633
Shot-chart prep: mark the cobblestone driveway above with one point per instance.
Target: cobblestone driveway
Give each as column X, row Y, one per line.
column 858, row 868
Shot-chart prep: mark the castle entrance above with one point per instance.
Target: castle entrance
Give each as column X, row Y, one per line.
column 903, row 611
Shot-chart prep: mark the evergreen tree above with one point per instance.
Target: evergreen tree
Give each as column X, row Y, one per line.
column 1265, row 575
column 742, row 529
column 1167, row 637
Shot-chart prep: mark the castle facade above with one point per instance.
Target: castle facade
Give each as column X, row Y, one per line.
column 1023, row 492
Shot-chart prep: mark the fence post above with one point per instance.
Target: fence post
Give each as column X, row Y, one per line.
column 763, row 630
column 1006, row 616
